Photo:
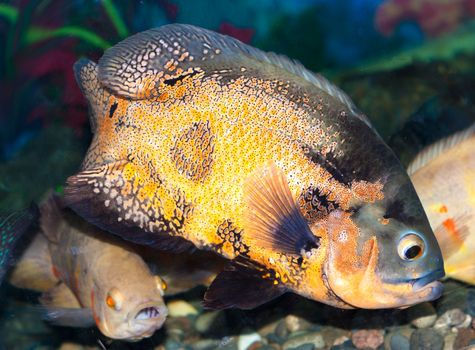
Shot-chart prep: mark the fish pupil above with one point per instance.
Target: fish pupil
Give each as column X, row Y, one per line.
column 412, row 252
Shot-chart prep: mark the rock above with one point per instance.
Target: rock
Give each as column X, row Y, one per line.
column 268, row 328
column 245, row 340
column 348, row 345
column 305, row 347
column 452, row 318
column 204, row 322
column 314, row 338
column 206, row 344
column 281, row 330
column 449, row 341
column 399, row 342
column 256, row 345
column 422, row 315
column 228, row 343
column 341, row 340
column 335, row 336
column 180, row 308
column 173, row 345
column 367, row 338
column 179, row 327
column 295, row 324
column 464, row 337
column 426, row 339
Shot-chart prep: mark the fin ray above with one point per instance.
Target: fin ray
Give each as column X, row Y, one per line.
column 273, row 219
column 127, row 67
column 433, row 151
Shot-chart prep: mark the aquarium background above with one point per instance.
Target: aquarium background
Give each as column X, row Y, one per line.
column 408, row 65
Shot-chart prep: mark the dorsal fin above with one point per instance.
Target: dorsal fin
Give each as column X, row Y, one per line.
column 431, row 152
column 141, row 61
column 86, row 73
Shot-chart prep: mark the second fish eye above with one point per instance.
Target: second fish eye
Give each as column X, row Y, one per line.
column 114, row 299
column 411, row 247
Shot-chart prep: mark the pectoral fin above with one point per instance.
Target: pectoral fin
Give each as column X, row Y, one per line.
column 242, row 284
column 80, row 318
column 61, row 308
column 123, row 199
column 273, row 219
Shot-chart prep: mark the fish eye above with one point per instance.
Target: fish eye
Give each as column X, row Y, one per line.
column 411, row 247
column 161, row 285
column 114, row 299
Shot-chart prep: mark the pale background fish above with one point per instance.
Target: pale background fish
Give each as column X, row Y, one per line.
column 444, row 178
column 89, row 278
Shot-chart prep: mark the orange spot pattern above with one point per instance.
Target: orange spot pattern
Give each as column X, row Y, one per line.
column 217, row 132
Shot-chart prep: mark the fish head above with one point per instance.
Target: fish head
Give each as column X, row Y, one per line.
column 130, row 313
column 384, row 254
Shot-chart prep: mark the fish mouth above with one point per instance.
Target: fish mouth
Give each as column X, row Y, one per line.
column 428, row 285
column 149, row 313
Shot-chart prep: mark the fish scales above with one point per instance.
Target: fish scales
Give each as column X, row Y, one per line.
column 192, row 117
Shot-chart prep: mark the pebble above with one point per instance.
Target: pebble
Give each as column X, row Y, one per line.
column 205, row 321
column 295, row 324
column 426, row 339
column 314, row 338
column 452, row 318
column 181, row 308
column 206, row 344
column 348, row 345
column 367, row 338
column 463, row 338
column 281, row 330
column 335, row 336
column 399, row 342
column 449, row 341
column 305, row 347
column 422, row 315
column 268, row 328
column 245, row 340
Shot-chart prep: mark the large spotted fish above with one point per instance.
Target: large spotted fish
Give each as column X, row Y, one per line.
column 200, row 138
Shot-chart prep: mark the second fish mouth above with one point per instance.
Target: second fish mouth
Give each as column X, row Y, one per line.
column 147, row 313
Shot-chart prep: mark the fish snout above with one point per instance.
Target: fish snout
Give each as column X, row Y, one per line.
column 149, row 311
column 428, row 287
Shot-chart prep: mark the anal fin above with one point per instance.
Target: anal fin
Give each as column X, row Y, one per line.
column 123, row 199
column 242, row 284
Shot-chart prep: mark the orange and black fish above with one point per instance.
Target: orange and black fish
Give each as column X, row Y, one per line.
column 444, row 177
column 12, row 227
column 200, row 139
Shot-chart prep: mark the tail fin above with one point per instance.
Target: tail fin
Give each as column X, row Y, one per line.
column 86, row 73
column 12, row 228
